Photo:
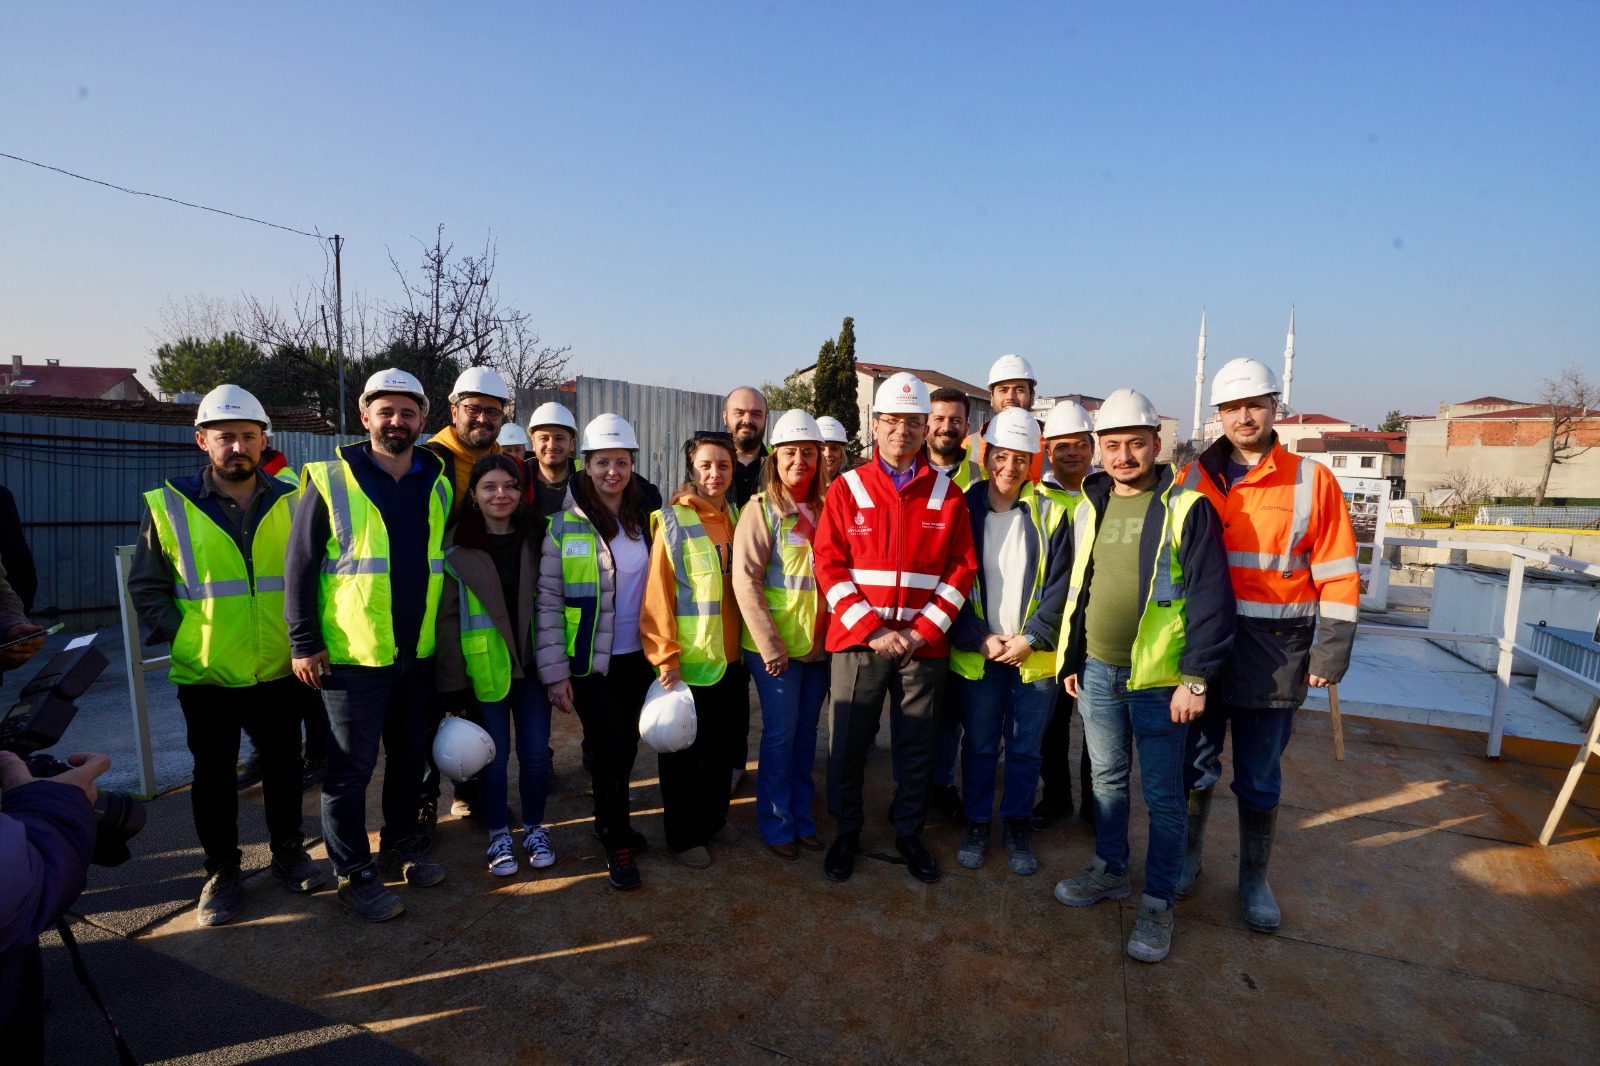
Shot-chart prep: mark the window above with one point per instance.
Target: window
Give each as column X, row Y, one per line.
column 1338, row 461
column 1369, row 462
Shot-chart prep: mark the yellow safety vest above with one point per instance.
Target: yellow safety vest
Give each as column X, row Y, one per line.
column 1044, row 518
column 697, row 566
column 232, row 634
column 355, row 595
column 789, row 584
column 483, row 649
column 579, row 546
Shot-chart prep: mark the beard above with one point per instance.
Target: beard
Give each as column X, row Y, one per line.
column 747, row 438
column 944, row 444
column 243, row 470
column 395, row 440
column 479, row 435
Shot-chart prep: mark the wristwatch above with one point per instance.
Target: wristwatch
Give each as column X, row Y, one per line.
column 1196, row 687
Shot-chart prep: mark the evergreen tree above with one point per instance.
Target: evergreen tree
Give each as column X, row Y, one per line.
column 835, row 381
column 195, row 365
column 1392, row 423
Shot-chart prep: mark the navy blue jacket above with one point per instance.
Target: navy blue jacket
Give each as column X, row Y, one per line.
column 1045, row 626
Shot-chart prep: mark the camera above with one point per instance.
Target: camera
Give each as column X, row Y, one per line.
column 38, row 719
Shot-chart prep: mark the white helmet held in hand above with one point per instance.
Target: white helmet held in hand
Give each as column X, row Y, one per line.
column 552, row 414
column 1126, row 409
column 1065, row 419
column 512, row 435
column 667, row 720
column 230, row 403
column 1013, row 428
column 461, row 749
column 902, row 394
column 1011, row 368
column 394, row 382
column 1240, row 379
column 795, row 427
column 608, row 431
column 480, row 381
column 833, row 431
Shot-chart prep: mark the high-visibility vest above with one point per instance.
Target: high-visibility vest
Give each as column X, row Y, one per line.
column 697, row 569
column 288, row 474
column 355, row 594
column 232, row 633
column 1158, row 644
column 483, row 649
column 789, row 585
column 579, row 546
column 1044, row 518
column 965, row 473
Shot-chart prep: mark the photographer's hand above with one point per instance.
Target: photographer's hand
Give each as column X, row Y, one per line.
column 22, row 652
column 86, row 766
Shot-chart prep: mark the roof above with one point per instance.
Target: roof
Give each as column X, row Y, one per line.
column 932, row 378
column 149, row 412
column 1313, row 420
column 84, row 382
column 1534, row 411
column 1488, row 401
column 1354, row 443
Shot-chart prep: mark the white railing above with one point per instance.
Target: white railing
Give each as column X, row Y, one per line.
column 137, row 666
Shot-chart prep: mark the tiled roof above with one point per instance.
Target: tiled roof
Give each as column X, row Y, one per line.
column 1534, row 411
column 932, row 378
column 149, row 412
column 1488, row 401
column 85, row 382
column 1312, row 420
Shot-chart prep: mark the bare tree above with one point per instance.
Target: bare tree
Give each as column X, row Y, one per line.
column 1570, row 395
column 525, row 362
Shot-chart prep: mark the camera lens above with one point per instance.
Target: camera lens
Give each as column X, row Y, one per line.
column 119, row 818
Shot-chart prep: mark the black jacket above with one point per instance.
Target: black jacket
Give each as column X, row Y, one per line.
column 1045, row 626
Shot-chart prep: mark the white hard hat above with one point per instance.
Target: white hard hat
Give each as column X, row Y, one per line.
column 461, row 749
column 833, row 431
column 512, row 434
column 608, row 431
column 1013, row 428
column 902, row 394
column 1125, row 409
column 480, row 381
column 552, row 414
column 667, row 719
column 230, row 403
column 1240, row 379
column 394, row 382
column 1066, row 418
column 1011, row 368
column 795, row 427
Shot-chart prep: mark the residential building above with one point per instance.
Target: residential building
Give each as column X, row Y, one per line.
column 1169, row 424
column 77, row 382
column 1359, row 454
column 870, row 375
column 1505, row 447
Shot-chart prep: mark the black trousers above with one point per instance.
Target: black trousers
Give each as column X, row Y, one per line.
column 315, row 715
column 736, row 745
column 694, row 781
column 270, row 714
column 608, row 706
column 861, row 678
column 1056, row 769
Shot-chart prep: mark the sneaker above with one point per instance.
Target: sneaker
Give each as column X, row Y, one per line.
column 364, row 893
column 502, row 856
column 624, row 871
column 973, row 845
column 1151, row 938
column 694, row 858
column 727, row 834
column 1094, row 885
column 298, row 871
column 1019, row 850
column 409, row 861
column 219, row 899
column 312, row 771
column 536, row 842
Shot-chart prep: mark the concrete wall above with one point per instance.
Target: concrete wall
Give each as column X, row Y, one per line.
column 1508, row 449
column 1584, row 547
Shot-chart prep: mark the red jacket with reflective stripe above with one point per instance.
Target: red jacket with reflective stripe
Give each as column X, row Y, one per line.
column 899, row 559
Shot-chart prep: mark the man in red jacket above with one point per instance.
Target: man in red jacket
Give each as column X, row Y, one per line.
column 894, row 556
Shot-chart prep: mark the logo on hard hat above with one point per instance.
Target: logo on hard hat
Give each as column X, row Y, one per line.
column 905, row 388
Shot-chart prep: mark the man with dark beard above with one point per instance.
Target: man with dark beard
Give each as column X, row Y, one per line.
column 947, row 437
column 207, row 578
column 744, row 414
column 364, row 576
column 477, row 411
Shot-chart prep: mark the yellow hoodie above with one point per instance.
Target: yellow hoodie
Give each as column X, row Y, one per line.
column 458, row 463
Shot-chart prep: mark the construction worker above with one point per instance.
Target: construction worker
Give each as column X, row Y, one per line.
column 1069, row 451
column 208, row 579
column 477, row 411
column 513, row 441
column 1139, row 653
column 893, row 556
column 553, row 434
column 835, row 438
column 947, row 437
column 744, row 414
column 1004, row 653
column 364, row 576
column 1011, row 384
column 1292, row 556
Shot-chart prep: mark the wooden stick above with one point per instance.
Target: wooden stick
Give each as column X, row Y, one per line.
column 1338, row 723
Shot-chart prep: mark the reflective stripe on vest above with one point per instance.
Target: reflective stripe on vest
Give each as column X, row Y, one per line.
column 579, row 546
column 1044, row 518
column 1290, row 562
column 355, row 595
column 966, row 472
column 788, row 584
column 483, row 649
column 230, row 635
column 697, row 571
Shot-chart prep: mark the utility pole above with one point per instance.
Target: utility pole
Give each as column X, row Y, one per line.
column 338, row 322
column 1198, row 436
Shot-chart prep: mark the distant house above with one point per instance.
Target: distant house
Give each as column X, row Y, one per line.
column 1503, row 445
column 75, row 382
column 870, row 375
column 1483, row 405
column 1169, row 425
column 1291, row 428
column 147, row 412
column 1359, row 454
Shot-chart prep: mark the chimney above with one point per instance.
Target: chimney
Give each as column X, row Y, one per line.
column 16, row 366
column 52, row 362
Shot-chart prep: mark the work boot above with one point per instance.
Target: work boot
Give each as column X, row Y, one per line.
column 919, row 860
column 840, row 862
column 1093, row 885
column 298, row 871
column 409, row 861
column 1019, row 849
column 1151, row 938
column 219, row 899
column 364, row 893
column 973, row 845
column 1256, row 829
column 1199, row 811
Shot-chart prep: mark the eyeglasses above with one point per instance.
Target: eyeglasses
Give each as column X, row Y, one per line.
column 909, row 421
column 488, row 414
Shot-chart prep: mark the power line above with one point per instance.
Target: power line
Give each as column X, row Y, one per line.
column 158, row 196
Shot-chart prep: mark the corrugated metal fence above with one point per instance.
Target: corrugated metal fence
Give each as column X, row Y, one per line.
column 663, row 418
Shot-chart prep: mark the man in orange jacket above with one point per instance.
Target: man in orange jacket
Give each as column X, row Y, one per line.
column 1292, row 557
column 1012, row 383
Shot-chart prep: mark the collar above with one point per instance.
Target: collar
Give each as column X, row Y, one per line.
column 208, row 486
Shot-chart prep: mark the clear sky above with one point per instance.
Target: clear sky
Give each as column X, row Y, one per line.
column 694, row 194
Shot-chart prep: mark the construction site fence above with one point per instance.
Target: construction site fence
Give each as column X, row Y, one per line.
column 1512, row 516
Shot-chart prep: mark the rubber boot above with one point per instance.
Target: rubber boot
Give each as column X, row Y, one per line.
column 1256, row 828
column 1199, row 811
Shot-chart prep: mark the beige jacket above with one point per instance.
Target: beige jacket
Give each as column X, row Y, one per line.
column 752, row 549
column 475, row 566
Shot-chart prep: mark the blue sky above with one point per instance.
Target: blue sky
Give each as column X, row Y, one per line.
column 696, row 193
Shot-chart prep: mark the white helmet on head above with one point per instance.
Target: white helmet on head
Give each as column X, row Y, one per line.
column 462, row 749
column 902, row 394
column 1011, row 368
column 394, row 382
column 1013, row 428
column 552, row 414
column 480, row 381
column 667, row 719
column 795, row 427
column 1065, row 419
column 230, row 403
column 833, row 431
column 608, row 431
column 1125, row 409
column 1240, row 379
column 511, row 435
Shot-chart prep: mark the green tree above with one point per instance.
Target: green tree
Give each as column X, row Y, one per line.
column 835, row 381
column 791, row 394
column 195, row 365
column 1392, row 423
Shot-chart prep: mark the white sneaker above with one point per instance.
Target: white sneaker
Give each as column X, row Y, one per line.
column 502, row 856
column 536, row 842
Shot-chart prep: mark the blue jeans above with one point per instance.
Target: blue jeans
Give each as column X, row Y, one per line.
column 1001, row 704
column 368, row 705
column 526, row 707
column 1259, row 737
column 791, row 704
column 1115, row 720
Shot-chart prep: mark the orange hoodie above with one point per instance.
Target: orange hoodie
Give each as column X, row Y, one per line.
column 458, row 463
column 658, row 619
